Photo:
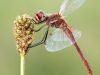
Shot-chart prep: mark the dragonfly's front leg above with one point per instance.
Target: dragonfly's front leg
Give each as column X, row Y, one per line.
column 42, row 41
column 36, row 22
column 36, row 30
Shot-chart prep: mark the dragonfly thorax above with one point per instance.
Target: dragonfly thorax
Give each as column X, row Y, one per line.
column 55, row 20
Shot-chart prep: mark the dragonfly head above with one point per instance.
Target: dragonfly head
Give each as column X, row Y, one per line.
column 40, row 16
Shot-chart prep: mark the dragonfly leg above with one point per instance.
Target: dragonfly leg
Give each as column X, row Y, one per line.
column 46, row 35
column 36, row 22
column 36, row 30
column 42, row 41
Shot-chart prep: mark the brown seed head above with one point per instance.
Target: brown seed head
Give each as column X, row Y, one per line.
column 23, row 32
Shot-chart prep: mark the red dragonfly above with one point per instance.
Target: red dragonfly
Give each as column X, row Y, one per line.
column 63, row 35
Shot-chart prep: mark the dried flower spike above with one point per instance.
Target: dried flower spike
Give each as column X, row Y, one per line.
column 23, row 32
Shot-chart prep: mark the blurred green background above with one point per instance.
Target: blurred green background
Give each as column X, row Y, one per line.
column 38, row 60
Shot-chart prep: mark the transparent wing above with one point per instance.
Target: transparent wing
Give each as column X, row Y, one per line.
column 59, row 35
column 59, row 40
column 68, row 6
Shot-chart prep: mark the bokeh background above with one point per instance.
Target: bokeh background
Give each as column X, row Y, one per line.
column 38, row 60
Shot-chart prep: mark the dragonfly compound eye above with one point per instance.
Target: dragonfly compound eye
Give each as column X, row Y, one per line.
column 40, row 16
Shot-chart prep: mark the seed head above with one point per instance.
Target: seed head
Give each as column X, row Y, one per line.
column 23, row 32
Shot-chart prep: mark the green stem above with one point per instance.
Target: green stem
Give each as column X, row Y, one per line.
column 22, row 64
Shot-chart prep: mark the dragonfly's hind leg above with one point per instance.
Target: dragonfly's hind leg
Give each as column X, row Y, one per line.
column 42, row 41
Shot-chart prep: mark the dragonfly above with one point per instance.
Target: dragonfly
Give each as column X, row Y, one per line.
column 63, row 35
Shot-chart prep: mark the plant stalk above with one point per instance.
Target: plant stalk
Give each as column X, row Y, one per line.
column 22, row 64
